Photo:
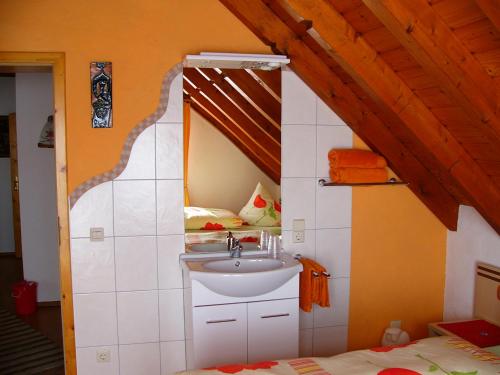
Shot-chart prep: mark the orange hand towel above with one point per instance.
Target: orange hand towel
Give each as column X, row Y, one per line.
column 313, row 285
column 358, row 175
column 348, row 158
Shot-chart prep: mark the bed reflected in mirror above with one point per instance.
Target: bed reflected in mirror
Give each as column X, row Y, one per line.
column 232, row 157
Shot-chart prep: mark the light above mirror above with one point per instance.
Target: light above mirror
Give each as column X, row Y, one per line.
column 235, row 61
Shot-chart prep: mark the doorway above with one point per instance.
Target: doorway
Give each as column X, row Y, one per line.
column 25, row 63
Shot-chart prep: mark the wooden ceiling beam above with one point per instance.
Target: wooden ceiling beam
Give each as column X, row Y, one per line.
column 418, row 27
column 261, row 137
column 491, row 8
column 256, row 93
column 272, row 79
column 329, row 87
column 256, row 152
column 363, row 63
column 263, row 122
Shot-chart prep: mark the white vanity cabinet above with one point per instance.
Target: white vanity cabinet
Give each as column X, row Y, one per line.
column 245, row 332
column 273, row 328
column 220, row 334
column 243, row 316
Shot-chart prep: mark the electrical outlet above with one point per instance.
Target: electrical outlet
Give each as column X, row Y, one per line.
column 103, row 355
column 395, row 324
column 299, row 236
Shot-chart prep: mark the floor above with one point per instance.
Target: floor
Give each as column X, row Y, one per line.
column 46, row 320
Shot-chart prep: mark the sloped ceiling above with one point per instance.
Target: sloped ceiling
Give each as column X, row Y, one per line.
column 243, row 105
column 416, row 79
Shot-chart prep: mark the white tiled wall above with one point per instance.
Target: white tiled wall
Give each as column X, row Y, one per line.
column 128, row 295
column 309, row 130
column 128, row 289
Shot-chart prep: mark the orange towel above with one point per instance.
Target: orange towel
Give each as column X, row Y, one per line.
column 348, row 158
column 313, row 285
column 358, row 175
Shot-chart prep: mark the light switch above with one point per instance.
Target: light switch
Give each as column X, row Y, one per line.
column 96, row 234
column 299, row 225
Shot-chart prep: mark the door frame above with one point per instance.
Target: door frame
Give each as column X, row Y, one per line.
column 14, row 185
column 56, row 60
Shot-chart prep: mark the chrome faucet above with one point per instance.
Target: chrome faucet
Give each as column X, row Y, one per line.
column 233, row 246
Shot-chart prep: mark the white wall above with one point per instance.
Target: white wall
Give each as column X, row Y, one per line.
column 474, row 241
column 7, row 105
column 34, row 102
column 309, row 130
column 220, row 175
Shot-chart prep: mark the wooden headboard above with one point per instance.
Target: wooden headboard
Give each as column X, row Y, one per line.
column 487, row 293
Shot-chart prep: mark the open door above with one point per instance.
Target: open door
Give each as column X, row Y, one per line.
column 14, row 176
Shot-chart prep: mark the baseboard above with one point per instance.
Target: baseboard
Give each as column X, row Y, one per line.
column 49, row 304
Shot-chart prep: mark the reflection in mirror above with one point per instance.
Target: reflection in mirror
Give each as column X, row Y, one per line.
column 232, row 157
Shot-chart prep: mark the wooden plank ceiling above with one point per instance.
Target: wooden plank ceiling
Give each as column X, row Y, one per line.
column 245, row 106
column 416, row 79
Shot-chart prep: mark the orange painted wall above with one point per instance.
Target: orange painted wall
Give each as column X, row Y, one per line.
column 397, row 264
column 143, row 39
column 398, row 246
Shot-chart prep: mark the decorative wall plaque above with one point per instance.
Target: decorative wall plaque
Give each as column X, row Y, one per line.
column 100, row 85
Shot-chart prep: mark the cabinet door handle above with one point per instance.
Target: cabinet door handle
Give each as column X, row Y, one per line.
column 220, row 321
column 274, row 316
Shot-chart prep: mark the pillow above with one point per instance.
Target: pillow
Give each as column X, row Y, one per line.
column 261, row 209
column 210, row 218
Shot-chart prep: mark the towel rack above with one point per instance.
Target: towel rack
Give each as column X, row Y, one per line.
column 392, row 181
column 315, row 274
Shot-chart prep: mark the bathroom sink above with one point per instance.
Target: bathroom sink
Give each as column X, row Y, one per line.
column 242, row 277
column 243, row 265
column 219, row 247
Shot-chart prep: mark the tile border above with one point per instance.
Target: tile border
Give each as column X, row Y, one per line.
column 131, row 138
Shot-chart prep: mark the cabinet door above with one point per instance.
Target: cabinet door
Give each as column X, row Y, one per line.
column 273, row 330
column 220, row 335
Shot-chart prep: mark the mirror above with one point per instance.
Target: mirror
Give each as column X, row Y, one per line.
column 232, row 156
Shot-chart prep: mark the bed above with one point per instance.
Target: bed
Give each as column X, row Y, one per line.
column 436, row 355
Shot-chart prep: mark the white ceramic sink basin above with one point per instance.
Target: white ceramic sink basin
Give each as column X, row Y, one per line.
column 243, row 265
column 242, row 277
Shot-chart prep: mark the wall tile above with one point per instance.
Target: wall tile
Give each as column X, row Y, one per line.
column 136, row 263
column 333, row 206
column 134, row 204
column 141, row 163
column 169, row 268
column 306, row 319
column 329, row 137
column 173, row 357
column 298, row 101
column 140, row 359
column 298, row 198
column 325, row 116
column 174, row 108
column 95, row 319
column 92, row 265
column 171, row 315
column 137, row 317
column 170, row 198
column 333, row 250
column 169, row 151
column 329, row 341
column 87, row 362
column 305, row 342
column 298, row 151
column 93, row 209
column 307, row 248
column 338, row 313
